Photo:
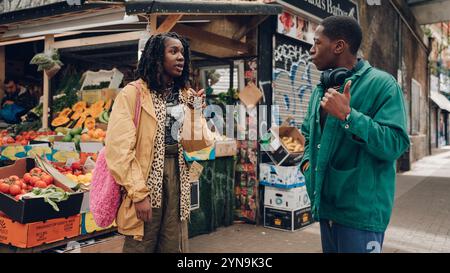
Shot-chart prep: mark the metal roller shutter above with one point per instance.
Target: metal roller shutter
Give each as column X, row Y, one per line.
column 294, row 79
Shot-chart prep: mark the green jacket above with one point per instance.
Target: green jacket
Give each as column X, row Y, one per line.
column 351, row 176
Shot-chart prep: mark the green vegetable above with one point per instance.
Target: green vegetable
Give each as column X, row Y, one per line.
column 67, row 138
column 66, row 93
column 46, row 61
column 51, row 195
column 76, row 131
column 25, row 126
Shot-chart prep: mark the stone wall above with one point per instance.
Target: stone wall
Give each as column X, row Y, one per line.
column 390, row 45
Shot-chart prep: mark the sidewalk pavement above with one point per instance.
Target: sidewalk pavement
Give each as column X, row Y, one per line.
column 420, row 221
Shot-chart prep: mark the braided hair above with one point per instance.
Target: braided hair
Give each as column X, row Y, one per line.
column 150, row 67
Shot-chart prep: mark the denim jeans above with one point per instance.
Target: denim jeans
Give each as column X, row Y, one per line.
column 340, row 239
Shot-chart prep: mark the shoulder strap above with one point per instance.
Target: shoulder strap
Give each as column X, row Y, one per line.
column 137, row 110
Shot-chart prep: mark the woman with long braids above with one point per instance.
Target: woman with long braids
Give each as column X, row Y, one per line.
column 147, row 159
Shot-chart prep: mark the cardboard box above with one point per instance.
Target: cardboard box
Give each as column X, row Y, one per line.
column 15, row 152
column 38, row 233
column 294, row 199
column 114, row 77
column 250, row 95
column 195, row 195
column 195, row 171
column 279, row 153
column 28, row 210
column 12, row 152
column 286, row 219
column 85, row 203
column 280, row 176
column 226, row 148
column 88, row 224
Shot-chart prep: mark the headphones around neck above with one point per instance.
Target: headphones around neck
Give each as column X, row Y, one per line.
column 336, row 77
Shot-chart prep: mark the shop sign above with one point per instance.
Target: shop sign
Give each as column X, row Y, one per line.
column 324, row 8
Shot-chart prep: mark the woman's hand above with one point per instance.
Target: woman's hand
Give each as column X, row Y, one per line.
column 144, row 210
column 201, row 94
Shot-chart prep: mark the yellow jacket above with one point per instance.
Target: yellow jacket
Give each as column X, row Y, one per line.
column 129, row 154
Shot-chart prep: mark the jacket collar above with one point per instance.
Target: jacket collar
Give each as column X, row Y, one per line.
column 363, row 69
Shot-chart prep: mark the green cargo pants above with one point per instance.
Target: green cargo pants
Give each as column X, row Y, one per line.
column 165, row 233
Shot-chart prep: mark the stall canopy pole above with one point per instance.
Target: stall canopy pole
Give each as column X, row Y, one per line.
column 49, row 41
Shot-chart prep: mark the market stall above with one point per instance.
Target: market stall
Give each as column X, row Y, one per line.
column 95, row 65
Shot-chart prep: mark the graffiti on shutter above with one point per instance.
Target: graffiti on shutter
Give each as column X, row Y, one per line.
column 294, row 79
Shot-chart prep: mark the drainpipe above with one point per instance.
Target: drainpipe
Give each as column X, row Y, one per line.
column 430, row 46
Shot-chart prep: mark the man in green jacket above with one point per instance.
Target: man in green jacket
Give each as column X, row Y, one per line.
column 355, row 131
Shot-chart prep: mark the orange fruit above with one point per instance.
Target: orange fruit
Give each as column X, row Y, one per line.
column 85, row 137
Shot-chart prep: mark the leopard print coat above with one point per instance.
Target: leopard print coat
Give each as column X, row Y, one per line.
column 155, row 179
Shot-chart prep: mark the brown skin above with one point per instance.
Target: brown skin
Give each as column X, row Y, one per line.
column 10, row 88
column 173, row 68
column 326, row 54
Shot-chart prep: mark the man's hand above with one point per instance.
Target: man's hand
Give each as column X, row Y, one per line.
column 144, row 210
column 337, row 104
column 8, row 102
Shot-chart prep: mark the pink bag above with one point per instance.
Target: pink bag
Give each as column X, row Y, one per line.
column 105, row 194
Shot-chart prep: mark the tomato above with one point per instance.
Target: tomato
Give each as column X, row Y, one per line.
column 32, row 135
column 19, row 183
column 19, row 138
column 15, row 190
column 18, row 197
column 10, row 140
column 24, row 142
column 76, row 166
column 27, row 178
column 4, row 188
column 35, row 171
column 14, row 178
column 48, row 179
column 29, row 188
column 34, row 179
column 40, row 184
